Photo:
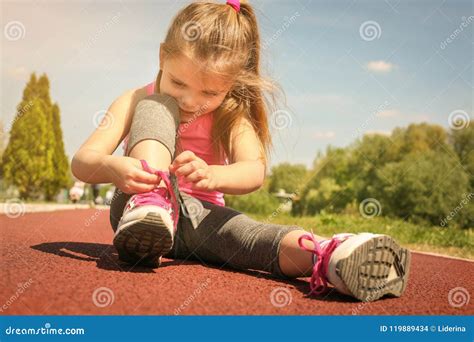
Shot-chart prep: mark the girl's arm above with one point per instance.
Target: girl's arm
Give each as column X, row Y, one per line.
column 247, row 172
column 91, row 162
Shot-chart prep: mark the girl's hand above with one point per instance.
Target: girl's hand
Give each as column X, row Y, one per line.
column 194, row 170
column 128, row 175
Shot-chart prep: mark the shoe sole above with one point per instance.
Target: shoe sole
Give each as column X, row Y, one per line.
column 366, row 271
column 144, row 241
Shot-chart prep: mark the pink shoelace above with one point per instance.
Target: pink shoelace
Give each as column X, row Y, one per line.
column 319, row 281
column 163, row 197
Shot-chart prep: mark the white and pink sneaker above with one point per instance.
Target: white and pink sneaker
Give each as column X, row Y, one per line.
column 148, row 224
column 366, row 266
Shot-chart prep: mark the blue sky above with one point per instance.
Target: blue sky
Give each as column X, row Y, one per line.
column 347, row 67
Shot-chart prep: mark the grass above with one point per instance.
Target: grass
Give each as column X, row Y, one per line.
column 449, row 241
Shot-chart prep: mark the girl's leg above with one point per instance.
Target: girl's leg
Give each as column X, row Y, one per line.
column 294, row 261
column 147, row 224
column 366, row 266
column 153, row 131
column 152, row 138
column 226, row 237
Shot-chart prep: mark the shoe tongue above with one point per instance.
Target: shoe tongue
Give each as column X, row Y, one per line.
column 323, row 244
column 162, row 191
column 339, row 237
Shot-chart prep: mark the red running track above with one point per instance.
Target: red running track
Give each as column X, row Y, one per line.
column 52, row 263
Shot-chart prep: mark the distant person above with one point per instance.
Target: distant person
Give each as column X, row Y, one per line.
column 205, row 121
column 95, row 194
column 76, row 192
column 109, row 195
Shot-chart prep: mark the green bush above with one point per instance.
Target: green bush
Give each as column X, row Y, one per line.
column 422, row 186
column 259, row 202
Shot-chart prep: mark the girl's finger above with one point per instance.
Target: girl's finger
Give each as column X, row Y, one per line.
column 186, row 169
column 182, row 158
column 201, row 185
column 145, row 177
column 139, row 188
column 196, row 176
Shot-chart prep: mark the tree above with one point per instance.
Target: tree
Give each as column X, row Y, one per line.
column 26, row 161
column 34, row 160
column 463, row 143
column 288, row 177
column 3, row 139
column 418, row 138
column 427, row 185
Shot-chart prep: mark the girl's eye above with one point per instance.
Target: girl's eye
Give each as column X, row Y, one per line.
column 211, row 94
column 179, row 84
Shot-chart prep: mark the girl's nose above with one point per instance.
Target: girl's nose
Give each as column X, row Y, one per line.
column 187, row 103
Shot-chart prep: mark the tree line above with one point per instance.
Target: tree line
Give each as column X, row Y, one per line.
column 420, row 173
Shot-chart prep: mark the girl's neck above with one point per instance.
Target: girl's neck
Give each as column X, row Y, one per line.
column 188, row 118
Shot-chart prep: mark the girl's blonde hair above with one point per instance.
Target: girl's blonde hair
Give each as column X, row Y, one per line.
column 226, row 43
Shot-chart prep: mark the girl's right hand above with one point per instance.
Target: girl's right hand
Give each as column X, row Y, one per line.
column 128, row 175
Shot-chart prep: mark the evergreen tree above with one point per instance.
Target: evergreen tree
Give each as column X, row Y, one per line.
column 61, row 177
column 3, row 138
column 26, row 157
column 34, row 160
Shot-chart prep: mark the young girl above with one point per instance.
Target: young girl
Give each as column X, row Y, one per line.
column 198, row 132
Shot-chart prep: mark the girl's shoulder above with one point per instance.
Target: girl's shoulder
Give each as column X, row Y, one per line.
column 150, row 88
column 140, row 93
column 144, row 91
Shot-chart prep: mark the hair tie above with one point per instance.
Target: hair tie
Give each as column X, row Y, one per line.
column 235, row 4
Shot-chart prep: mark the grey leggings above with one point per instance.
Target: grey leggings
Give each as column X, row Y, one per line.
column 206, row 232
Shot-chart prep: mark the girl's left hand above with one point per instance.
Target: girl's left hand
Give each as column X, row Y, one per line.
column 194, row 170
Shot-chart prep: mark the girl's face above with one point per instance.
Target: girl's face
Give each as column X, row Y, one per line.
column 196, row 92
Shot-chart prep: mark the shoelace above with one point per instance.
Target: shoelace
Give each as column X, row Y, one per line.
column 318, row 282
column 159, row 196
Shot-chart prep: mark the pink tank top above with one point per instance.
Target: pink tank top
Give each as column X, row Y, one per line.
column 195, row 135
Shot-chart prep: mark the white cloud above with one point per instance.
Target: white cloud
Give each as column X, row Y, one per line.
column 323, row 135
column 421, row 118
column 318, row 99
column 380, row 66
column 378, row 132
column 18, row 73
column 389, row 113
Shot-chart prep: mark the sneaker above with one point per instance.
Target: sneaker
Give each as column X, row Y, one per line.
column 366, row 266
column 148, row 224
